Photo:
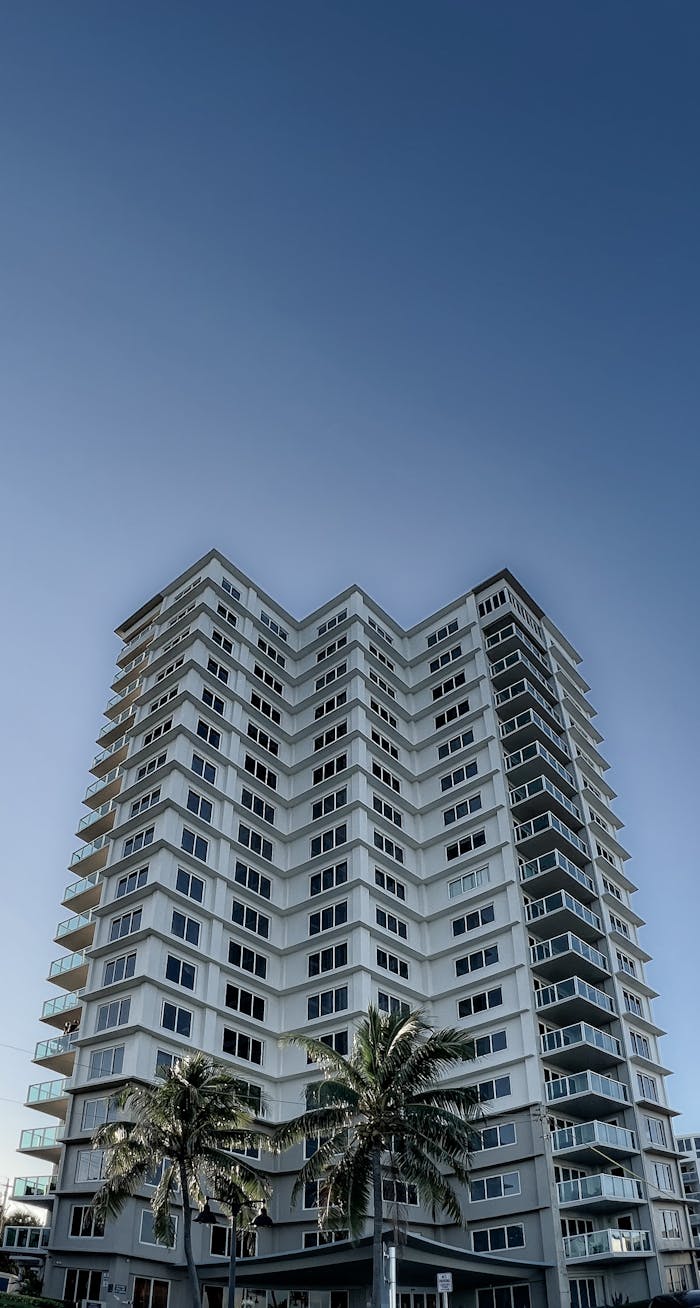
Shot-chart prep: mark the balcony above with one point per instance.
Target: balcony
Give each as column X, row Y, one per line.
column 97, row 821
column 556, row 959
column 104, row 788
column 22, row 1239
column 123, row 675
column 92, row 857
column 515, row 667
column 109, row 758
column 593, row 1142
column 552, row 870
column 43, row 1142
column 123, row 700
column 547, row 829
column 121, row 724
column 524, row 695
column 510, row 638
column 574, row 1000
column 85, row 893
column 598, row 1194
column 559, row 913
column 581, row 1046
column 587, row 1094
column 606, row 1246
column 526, row 727
column 58, row 1053
column 63, row 1008
column 530, row 798
column 34, row 1187
column 524, row 764
column 137, row 642
column 49, row 1097
column 70, row 972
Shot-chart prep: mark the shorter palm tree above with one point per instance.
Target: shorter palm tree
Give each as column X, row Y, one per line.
column 190, row 1123
column 387, row 1097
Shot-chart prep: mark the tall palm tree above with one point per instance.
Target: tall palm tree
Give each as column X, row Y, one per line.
column 388, row 1096
column 189, row 1121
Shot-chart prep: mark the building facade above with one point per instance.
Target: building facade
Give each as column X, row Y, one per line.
column 290, row 820
column 689, row 1147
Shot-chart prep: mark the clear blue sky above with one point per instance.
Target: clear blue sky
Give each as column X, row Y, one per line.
column 390, row 293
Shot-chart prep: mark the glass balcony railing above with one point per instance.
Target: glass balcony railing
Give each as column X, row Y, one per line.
column 63, row 1044
column 583, row 1083
column 71, row 924
column 87, row 851
column 106, row 753
column 610, row 1244
column 512, row 632
column 580, row 1033
column 103, row 781
column 531, row 753
column 115, row 723
column 526, row 687
column 82, row 886
column 602, row 1186
column 26, row 1237
column 61, row 1004
column 519, row 660
column 531, row 719
column 559, row 900
column 565, row 944
column 571, row 988
column 594, row 1134
column 45, row 1091
column 33, row 1187
column 95, row 814
column 66, row 964
column 554, row 861
column 550, row 822
column 541, row 786
column 122, row 694
column 41, row 1137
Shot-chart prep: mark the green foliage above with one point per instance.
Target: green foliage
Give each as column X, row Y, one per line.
column 28, row 1301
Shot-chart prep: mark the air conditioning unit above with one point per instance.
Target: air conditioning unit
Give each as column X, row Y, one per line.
column 92, row 1303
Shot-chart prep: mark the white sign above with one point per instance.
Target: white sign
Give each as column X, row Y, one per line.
column 444, row 1282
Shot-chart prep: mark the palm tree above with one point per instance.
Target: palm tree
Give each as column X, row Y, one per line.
column 387, row 1096
column 189, row 1122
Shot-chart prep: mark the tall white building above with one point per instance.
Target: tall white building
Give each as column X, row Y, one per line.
column 292, row 819
column 689, row 1146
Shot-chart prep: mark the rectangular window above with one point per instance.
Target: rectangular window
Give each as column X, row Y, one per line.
column 271, row 652
column 391, row 963
column 212, row 701
column 468, row 882
column 254, row 841
column 613, row 890
column 388, row 922
column 247, row 959
column 244, row 1001
column 251, row 919
column 330, row 736
column 240, row 1045
column 188, row 884
column 492, row 1043
column 455, row 778
column 383, row 774
column 331, row 649
column 670, row 1224
column 138, row 841
column 327, row 1002
column 497, row 1088
column 451, row 714
column 387, row 810
column 224, row 642
column 201, row 807
column 105, row 1062
column 621, row 927
column 648, row 1088
column 253, row 880
column 388, row 847
column 331, row 622
column 328, row 840
column 473, row 962
column 317, row 1239
column 96, row 1112
column 328, row 879
column 84, row 1224
column 499, row 1186
column 452, row 683
column 147, row 1233
column 480, row 1003
column 330, row 705
column 260, row 771
column 328, row 918
column 495, row 1238
column 206, row 732
column 383, row 713
column 442, row 632
column 179, row 1020
column 663, row 1177
column 273, row 683
column 443, row 660
column 230, row 588
column 378, row 654
column 195, row 845
column 115, row 1013
column 163, row 700
column 133, row 881
column 180, row 972
column 273, row 626
column 495, row 1137
column 258, row 806
column 228, row 615
column 471, row 921
column 204, row 768
column 265, row 707
column 655, row 1131
column 337, row 1040
column 322, row 807
column 392, row 1004
column 125, row 925
column 389, row 883
column 640, row 1044
column 625, row 964
column 156, row 732
column 89, row 1165
column 384, row 744
column 327, row 960
column 187, row 928
column 398, row 1192
column 456, row 744
column 462, row 810
column 380, row 630
column 383, row 685
column 264, row 740
column 220, row 1242
column 146, row 801
column 151, row 766
column 467, row 844
column 338, row 670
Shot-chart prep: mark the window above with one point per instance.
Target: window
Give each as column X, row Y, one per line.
column 271, row 652
column 678, row 1278
column 328, row 879
column 332, row 734
column 625, row 964
column 498, row 1237
column 188, row 884
column 244, row 1001
column 261, row 771
column 475, row 840
column 383, row 685
column 153, row 763
column 670, row 1224
column 206, row 732
column 105, row 1062
column 89, row 1165
column 338, row 670
column 240, row 1045
column 327, row 1002
column 253, row 880
column 497, row 1088
column 389, row 883
column 147, row 1234
column 451, row 714
column 389, row 847
column 82, row 1283
column 389, row 922
column 327, row 918
column 464, row 773
column 443, row 660
column 220, row 1242
column 250, row 919
column 492, row 1043
column 602, row 852
column 621, row 927
column 390, row 963
column 262, row 739
column 314, row 1193
column 133, row 881
column 500, row 1186
column 316, row 1239
column 179, row 1020
column 212, row 701
column 380, row 630
column 332, row 622
column 469, row 881
column 180, row 972
column 329, row 769
column 326, row 960
column 452, row 683
column 217, row 670
column 648, row 1087
column 84, row 1223
column 384, row 744
column 240, row 956
column 265, row 707
column 640, row 1045
column 195, row 845
column 273, row 683
column 378, row 654
column 383, row 774
column 125, row 925
column 633, row 1003
column 274, row 626
column 331, row 649
column 258, row 806
column 201, row 807
column 471, row 921
column 115, row 1013
column 392, row 1004
column 187, row 928
column 322, row 807
column 223, row 641
column 379, row 709
column 480, row 1003
column 508, row 1296
column 442, row 632
column 337, row 1040
column 584, row 1292
column 329, row 705
column 663, row 1177
column 387, row 810
column 473, row 962
column 655, row 1131
column 253, row 840
column 495, row 1137
column 156, row 732
column 203, row 768
column 228, row 615
column 398, row 1192
column 172, row 667
column 329, row 839
column 230, row 588
column 146, row 801
column 163, row 700
column 139, row 841
column 457, row 743
column 96, row 1112
column 462, row 810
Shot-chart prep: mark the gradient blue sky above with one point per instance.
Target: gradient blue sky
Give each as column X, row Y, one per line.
column 389, row 292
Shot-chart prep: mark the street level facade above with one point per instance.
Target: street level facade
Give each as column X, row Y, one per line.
column 288, row 820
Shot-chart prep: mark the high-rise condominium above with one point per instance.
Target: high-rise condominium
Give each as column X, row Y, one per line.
column 292, row 819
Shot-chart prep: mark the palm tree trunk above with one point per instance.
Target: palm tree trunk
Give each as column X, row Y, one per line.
column 187, row 1239
column 232, row 1258
column 377, row 1250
